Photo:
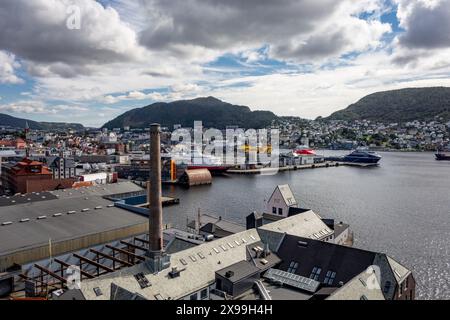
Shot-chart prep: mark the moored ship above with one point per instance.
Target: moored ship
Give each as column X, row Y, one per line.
column 359, row 156
column 443, row 156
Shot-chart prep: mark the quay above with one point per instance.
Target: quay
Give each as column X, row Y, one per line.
column 286, row 168
column 328, row 164
column 166, row 201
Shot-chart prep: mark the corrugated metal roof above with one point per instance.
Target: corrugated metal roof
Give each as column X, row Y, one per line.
column 33, row 233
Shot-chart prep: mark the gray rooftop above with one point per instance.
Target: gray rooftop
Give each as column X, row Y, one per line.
column 238, row 271
column 199, row 266
column 35, row 232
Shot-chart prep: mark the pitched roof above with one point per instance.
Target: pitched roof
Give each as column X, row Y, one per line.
column 196, row 274
column 347, row 262
column 307, row 224
column 287, row 194
column 400, row 271
column 364, row 286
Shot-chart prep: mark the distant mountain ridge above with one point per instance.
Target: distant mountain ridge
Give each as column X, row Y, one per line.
column 10, row 121
column 402, row 105
column 213, row 112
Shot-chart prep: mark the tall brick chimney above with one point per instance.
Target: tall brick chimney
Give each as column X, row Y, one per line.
column 157, row 259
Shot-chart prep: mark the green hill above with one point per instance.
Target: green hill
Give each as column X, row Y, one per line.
column 400, row 106
column 213, row 112
column 10, row 121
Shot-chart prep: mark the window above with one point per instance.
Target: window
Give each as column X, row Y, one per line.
column 315, row 273
column 274, row 210
column 280, row 211
column 329, row 278
column 204, row 294
column 363, row 297
column 193, row 297
column 406, row 284
column 293, row 267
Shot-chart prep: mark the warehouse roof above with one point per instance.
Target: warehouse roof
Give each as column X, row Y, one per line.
column 26, row 198
column 73, row 214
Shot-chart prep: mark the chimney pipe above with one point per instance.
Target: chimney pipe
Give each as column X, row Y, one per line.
column 154, row 192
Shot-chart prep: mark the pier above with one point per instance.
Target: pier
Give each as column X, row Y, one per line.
column 286, row 168
column 328, row 164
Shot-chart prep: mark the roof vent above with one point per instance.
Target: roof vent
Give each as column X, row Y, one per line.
column 142, row 280
column 57, row 214
column 42, row 217
column 71, row 212
column 98, row 207
column 85, row 210
column 7, row 223
column 174, row 273
column 97, row 291
column 24, row 220
column 229, row 274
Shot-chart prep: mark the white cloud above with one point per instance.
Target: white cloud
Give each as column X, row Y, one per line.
column 37, row 32
column 8, row 66
column 427, row 32
column 299, row 30
column 323, row 91
column 39, row 107
column 163, row 47
column 132, row 95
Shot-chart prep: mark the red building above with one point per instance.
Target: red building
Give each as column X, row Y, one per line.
column 17, row 144
column 31, row 176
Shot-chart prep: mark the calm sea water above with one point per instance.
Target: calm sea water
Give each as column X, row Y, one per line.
column 401, row 208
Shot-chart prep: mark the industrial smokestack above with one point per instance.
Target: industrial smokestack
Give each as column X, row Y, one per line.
column 154, row 192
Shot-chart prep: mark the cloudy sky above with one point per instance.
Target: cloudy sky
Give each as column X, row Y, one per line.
column 305, row 58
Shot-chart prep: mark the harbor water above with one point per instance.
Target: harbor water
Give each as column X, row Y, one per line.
column 401, row 208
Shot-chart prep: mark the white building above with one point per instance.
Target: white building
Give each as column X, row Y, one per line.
column 280, row 202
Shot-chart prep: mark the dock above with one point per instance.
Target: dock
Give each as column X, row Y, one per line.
column 327, row 164
column 286, row 168
column 166, row 201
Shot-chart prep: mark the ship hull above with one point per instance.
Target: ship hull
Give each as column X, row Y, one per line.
column 212, row 169
column 442, row 157
column 362, row 160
